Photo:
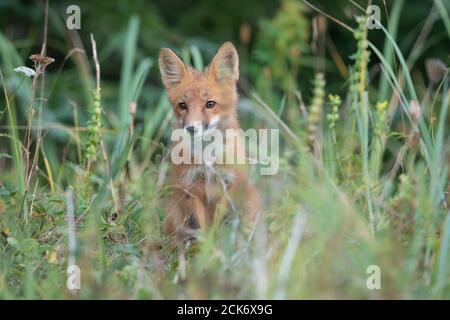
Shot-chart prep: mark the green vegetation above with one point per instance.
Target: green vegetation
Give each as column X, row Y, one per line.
column 363, row 179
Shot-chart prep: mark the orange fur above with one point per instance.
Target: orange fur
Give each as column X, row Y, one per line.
column 197, row 191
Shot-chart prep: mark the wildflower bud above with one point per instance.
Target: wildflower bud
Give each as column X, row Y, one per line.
column 40, row 62
column 381, row 109
column 414, row 110
column 381, row 106
column 335, row 101
column 132, row 107
column 41, row 59
column 315, row 111
column 91, row 150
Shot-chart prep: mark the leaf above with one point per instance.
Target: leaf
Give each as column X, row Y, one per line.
column 5, row 155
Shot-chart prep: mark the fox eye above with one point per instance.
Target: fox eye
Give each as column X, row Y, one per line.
column 210, row 104
column 182, row 106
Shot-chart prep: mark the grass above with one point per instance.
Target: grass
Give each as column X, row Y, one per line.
column 363, row 181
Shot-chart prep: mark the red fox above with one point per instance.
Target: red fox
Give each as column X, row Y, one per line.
column 202, row 102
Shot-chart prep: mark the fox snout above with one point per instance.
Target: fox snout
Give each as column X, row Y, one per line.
column 198, row 128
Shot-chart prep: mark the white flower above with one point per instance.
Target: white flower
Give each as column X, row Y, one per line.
column 29, row 73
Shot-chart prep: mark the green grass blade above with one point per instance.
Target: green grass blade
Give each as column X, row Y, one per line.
column 15, row 143
column 444, row 14
column 197, row 58
column 139, row 78
column 443, row 263
column 394, row 20
column 126, row 73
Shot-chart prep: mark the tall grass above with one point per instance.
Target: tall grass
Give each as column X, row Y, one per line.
column 363, row 181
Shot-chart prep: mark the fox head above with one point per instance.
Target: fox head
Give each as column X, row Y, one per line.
column 202, row 101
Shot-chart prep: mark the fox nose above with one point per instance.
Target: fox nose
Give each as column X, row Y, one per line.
column 191, row 129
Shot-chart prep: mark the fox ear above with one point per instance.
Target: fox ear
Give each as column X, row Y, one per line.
column 171, row 67
column 225, row 64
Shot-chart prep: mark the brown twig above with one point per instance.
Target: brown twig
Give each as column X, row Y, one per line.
column 41, row 62
column 102, row 144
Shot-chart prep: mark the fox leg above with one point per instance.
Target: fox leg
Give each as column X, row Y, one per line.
column 198, row 213
column 173, row 213
column 184, row 214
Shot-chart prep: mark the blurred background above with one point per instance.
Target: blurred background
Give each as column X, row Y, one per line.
column 281, row 44
column 364, row 163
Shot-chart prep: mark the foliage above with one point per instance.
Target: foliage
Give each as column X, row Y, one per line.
column 364, row 165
